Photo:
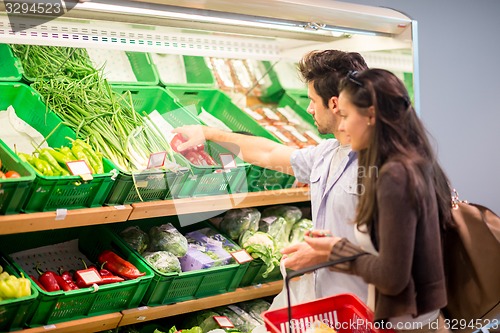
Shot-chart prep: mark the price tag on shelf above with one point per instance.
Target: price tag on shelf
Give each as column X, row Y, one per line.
column 80, row 168
column 241, row 256
column 227, row 161
column 157, row 160
column 61, row 214
column 223, row 322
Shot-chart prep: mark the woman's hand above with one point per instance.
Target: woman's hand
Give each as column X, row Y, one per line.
column 315, row 250
column 194, row 134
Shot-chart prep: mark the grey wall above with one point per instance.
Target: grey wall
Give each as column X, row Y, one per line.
column 459, row 51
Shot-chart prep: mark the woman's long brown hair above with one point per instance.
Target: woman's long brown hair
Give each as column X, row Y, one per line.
column 399, row 135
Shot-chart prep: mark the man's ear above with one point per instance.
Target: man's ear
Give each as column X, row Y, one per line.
column 333, row 104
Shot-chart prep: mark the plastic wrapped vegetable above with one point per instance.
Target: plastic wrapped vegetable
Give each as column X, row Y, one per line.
column 237, row 221
column 204, row 319
column 213, row 238
column 163, row 261
column 167, row 238
column 136, row 238
column 261, row 245
column 276, row 227
column 202, row 255
column 290, row 213
column 255, row 308
column 240, row 319
column 299, row 229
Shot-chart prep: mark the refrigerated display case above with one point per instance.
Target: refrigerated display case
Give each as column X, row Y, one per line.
column 278, row 32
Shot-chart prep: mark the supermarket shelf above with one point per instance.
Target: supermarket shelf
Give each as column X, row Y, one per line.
column 92, row 324
column 139, row 315
column 217, row 203
column 142, row 314
column 11, row 224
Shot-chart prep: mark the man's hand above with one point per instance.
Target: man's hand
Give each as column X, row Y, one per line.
column 195, row 135
column 300, row 256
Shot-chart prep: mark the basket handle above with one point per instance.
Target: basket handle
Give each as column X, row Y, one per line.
column 302, row 271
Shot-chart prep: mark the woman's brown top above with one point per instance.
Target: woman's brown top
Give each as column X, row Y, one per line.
column 408, row 271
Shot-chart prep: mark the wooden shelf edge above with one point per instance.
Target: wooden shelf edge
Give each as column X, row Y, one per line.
column 11, row 224
column 183, row 206
column 142, row 314
column 91, row 324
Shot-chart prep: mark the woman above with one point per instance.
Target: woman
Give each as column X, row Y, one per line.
column 404, row 203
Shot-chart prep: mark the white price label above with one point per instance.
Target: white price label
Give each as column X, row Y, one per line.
column 223, row 322
column 80, row 168
column 157, row 160
column 227, row 161
column 241, row 256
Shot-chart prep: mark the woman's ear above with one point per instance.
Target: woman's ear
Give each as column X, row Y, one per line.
column 371, row 115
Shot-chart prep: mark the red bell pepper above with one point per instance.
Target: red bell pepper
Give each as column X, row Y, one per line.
column 119, row 266
column 48, row 280
column 37, row 282
column 178, row 139
column 67, row 277
column 108, row 277
column 207, row 158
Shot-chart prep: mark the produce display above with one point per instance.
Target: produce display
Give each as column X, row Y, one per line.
column 53, row 162
column 112, row 269
column 169, row 251
column 12, row 286
column 79, row 95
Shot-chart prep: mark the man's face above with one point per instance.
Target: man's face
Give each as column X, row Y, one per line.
column 324, row 117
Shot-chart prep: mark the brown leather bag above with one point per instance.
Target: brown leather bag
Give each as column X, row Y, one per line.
column 472, row 262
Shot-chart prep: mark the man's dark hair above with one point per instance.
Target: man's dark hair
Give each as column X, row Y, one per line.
column 326, row 68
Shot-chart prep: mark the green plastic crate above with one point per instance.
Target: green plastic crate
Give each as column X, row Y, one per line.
column 10, row 67
column 198, row 74
column 200, row 180
column 273, row 92
column 178, row 287
column 220, row 106
column 14, row 191
column 298, row 100
column 143, row 68
column 253, row 274
column 49, row 193
column 60, row 306
column 146, row 185
column 14, row 313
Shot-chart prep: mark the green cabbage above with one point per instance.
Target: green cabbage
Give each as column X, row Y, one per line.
column 261, row 245
column 136, row 238
column 163, row 261
column 167, row 238
column 237, row 221
column 299, row 229
column 276, row 227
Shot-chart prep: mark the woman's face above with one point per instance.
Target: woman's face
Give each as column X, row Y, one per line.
column 357, row 127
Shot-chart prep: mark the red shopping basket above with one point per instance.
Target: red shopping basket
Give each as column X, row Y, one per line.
column 345, row 313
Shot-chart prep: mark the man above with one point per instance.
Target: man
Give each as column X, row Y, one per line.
column 329, row 168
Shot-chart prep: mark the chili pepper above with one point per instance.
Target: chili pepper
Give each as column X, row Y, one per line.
column 92, row 157
column 79, row 153
column 62, row 283
column 34, row 279
column 42, row 166
column 48, row 280
column 44, row 154
column 119, row 266
column 108, row 277
column 67, row 151
column 67, row 277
